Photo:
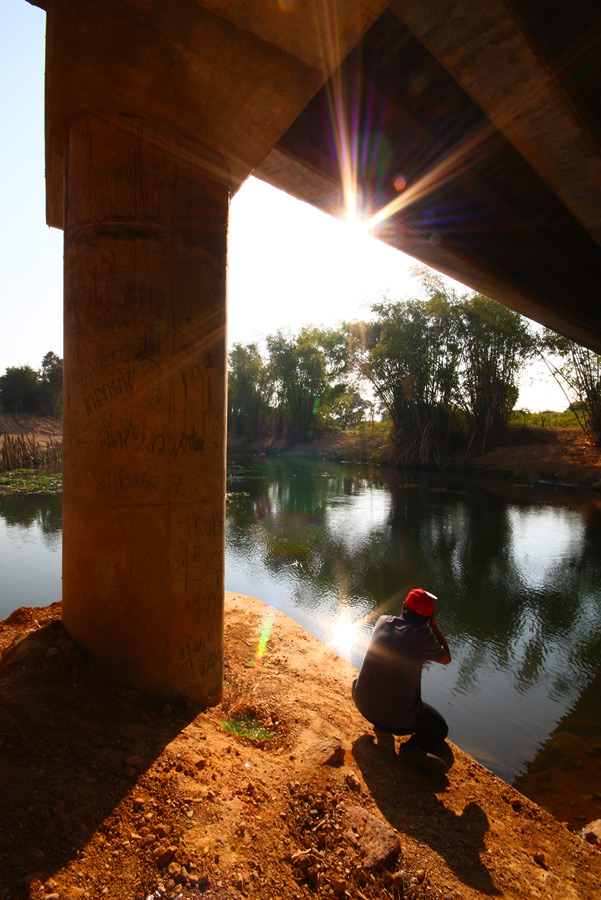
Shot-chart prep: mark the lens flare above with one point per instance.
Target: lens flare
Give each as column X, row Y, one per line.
column 268, row 622
column 344, row 633
column 458, row 161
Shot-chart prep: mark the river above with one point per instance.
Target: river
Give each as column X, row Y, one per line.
column 517, row 571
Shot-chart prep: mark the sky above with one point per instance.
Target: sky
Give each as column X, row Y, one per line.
column 289, row 264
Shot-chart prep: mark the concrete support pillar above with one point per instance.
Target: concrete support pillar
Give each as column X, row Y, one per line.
column 144, row 414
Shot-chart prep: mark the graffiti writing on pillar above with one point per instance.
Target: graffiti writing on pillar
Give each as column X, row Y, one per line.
column 195, row 604
column 206, row 664
column 199, row 378
column 124, row 434
column 119, row 480
column 198, row 564
column 202, row 526
column 186, row 441
column 149, row 367
column 121, row 383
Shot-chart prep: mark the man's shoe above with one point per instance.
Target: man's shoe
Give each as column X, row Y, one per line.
column 428, row 762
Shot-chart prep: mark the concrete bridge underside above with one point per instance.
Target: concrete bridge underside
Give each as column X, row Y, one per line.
column 474, row 127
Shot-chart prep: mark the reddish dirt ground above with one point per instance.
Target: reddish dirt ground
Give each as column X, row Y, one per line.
column 108, row 794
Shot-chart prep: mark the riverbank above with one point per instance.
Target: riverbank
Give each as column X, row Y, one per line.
column 106, row 793
column 562, row 456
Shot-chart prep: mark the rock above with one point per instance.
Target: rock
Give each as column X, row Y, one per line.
column 327, row 752
column 164, row 856
column 338, row 884
column 134, row 761
column 353, row 782
column 539, row 859
column 377, row 841
column 400, row 879
column 312, row 875
column 592, row 832
column 303, row 859
column 51, row 651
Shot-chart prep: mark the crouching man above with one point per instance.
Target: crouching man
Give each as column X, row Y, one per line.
column 387, row 691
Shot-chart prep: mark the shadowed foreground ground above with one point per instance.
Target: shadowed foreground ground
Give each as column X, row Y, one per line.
column 279, row 793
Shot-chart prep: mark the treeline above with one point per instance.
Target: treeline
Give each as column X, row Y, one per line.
column 443, row 371
column 23, row 390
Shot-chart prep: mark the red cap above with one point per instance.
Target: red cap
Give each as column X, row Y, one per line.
column 421, row 601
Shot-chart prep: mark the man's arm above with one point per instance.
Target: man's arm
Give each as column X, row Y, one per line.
column 440, row 638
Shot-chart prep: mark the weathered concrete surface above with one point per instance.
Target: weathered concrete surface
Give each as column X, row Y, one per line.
column 144, row 437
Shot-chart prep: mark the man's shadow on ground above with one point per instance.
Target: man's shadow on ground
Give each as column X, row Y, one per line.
column 72, row 746
column 407, row 797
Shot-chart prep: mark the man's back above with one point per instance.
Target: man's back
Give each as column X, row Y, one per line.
column 387, row 691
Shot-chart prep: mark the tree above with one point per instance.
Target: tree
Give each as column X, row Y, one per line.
column 248, row 392
column 410, row 355
column 346, row 409
column 19, row 388
column 23, row 390
column 578, row 371
column 51, row 384
column 495, row 343
column 297, row 372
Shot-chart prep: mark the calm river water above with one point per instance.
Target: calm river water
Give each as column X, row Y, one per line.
column 517, row 572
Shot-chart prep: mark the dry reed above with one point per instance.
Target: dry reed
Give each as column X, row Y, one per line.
column 24, row 452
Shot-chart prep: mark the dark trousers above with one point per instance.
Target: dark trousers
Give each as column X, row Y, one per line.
column 430, row 730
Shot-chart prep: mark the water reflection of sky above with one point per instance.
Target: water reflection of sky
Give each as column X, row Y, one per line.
column 30, row 552
column 356, row 520
column 542, row 538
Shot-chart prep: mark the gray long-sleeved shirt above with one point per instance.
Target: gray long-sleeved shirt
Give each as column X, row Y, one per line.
column 387, row 691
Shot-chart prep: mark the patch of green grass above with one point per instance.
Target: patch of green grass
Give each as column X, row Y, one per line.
column 546, row 419
column 30, row 481
column 248, row 726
